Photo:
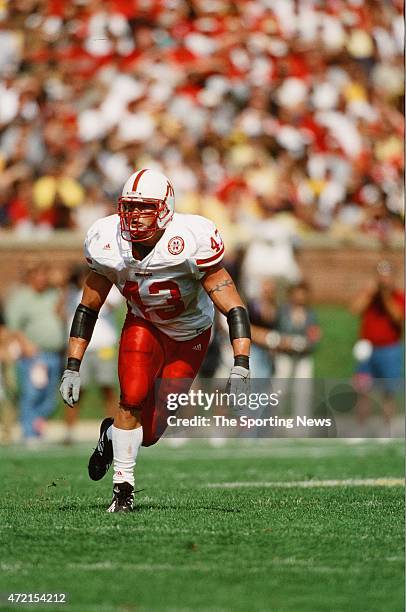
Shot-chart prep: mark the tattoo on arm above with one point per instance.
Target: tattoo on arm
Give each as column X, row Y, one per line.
column 219, row 286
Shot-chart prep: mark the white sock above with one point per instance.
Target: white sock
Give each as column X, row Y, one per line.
column 126, row 443
column 109, row 433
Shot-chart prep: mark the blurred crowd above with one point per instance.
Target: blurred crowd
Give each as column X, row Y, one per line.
column 34, row 327
column 37, row 314
column 254, row 109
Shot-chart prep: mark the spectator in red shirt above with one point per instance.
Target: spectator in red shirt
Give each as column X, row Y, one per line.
column 381, row 308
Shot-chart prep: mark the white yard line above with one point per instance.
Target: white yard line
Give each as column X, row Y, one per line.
column 292, row 562
column 310, row 484
column 202, row 567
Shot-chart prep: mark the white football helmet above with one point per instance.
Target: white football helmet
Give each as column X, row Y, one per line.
column 146, row 205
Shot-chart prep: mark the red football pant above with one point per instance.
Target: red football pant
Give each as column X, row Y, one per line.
column 146, row 356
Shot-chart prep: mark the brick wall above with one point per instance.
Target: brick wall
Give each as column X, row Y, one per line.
column 335, row 274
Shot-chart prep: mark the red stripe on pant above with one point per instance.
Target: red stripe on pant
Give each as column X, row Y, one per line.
column 146, row 356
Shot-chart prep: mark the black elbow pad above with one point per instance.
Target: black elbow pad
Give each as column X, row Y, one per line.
column 83, row 322
column 238, row 323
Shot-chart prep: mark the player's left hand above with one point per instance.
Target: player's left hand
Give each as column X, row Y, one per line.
column 239, row 381
column 70, row 387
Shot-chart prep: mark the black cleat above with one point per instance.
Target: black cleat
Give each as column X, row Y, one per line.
column 102, row 457
column 123, row 498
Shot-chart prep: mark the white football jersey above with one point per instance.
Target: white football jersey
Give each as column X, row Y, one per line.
column 164, row 287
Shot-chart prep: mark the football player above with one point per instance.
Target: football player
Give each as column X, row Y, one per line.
column 168, row 267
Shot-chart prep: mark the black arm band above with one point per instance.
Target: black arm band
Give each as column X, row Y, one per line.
column 83, row 322
column 73, row 364
column 243, row 361
column 238, row 323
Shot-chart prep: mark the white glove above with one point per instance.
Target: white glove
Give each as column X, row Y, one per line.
column 238, row 382
column 70, row 387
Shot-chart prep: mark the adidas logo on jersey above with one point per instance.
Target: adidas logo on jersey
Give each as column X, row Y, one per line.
column 197, row 347
column 107, row 247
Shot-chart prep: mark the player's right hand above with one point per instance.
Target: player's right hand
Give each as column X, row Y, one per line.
column 70, row 387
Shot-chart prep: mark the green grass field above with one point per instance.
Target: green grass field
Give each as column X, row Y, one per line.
column 334, row 358
column 193, row 545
